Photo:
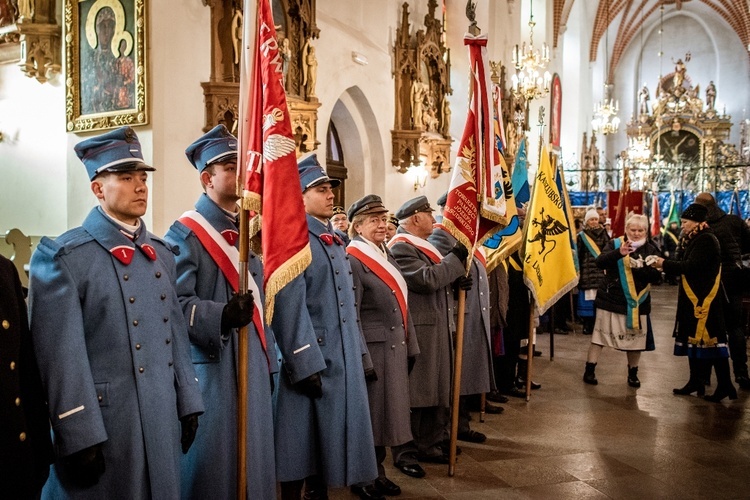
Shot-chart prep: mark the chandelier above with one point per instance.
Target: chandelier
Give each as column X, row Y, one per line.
column 529, row 82
column 639, row 148
column 605, row 114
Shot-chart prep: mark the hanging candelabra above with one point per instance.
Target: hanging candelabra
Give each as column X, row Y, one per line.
column 605, row 112
column 639, row 148
column 529, row 82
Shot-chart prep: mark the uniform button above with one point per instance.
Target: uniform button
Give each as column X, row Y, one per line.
column 255, row 274
column 158, row 274
column 394, row 309
column 343, row 320
column 18, row 401
column 163, row 296
column 140, row 369
column 320, row 339
column 166, row 319
column 403, row 342
column 170, row 363
column 337, row 271
column 341, row 304
column 138, row 347
column 393, row 328
column 22, row 437
column 354, row 287
column 132, row 299
column 135, row 322
column 333, row 256
column 484, row 309
column 99, row 398
column 125, row 277
column 393, row 346
column 6, row 325
column 169, row 341
column 339, row 288
column 393, row 292
column 481, row 293
column 350, row 272
column 12, row 365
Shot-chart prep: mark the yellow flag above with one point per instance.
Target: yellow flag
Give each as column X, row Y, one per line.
column 549, row 268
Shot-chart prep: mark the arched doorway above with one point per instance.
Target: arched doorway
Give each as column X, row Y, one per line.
column 335, row 166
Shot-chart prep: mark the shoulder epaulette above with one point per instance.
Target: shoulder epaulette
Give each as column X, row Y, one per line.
column 65, row 242
column 172, row 248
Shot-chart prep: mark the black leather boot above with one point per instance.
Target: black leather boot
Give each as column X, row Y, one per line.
column 695, row 384
column 633, row 377
column 724, row 386
column 589, row 376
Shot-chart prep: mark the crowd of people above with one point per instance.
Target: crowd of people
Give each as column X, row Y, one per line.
column 131, row 346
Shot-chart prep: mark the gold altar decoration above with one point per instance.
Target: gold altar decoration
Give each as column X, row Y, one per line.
column 421, row 132
column 30, row 34
column 295, row 32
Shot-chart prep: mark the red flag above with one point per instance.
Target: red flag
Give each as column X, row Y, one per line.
column 267, row 154
column 655, row 215
column 476, row 204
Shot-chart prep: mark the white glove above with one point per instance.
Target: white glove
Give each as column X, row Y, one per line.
column 636, row 263
column 651, row 259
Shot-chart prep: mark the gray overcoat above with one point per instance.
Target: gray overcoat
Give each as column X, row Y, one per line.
column 114, row 357
column 430, row 305
column 390, row 345
column 315, row 323
column 203, row 292
column 476, row 369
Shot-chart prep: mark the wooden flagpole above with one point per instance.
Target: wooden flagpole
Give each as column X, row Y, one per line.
column 242, row 364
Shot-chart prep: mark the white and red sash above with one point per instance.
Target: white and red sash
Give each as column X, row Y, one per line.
column 478, row 252
column 387, row 272
column 424, row 246
column 227, row 257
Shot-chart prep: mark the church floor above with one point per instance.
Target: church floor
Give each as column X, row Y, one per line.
column 574, row 440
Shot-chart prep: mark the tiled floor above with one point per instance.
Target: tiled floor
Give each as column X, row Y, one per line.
column 577, row 441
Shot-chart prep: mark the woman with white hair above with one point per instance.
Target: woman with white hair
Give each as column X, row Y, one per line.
column 623, row 300
column 591, row 240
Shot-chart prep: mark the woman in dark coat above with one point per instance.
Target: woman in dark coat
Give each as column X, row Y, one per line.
column 623, row 300
column 700, row 333
column 590, row 243
column 381, row 302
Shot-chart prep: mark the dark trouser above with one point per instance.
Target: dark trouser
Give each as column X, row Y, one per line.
column 379, row 457
column 315, row 488
column 428, row 428
column 736, row 335
column 463, row 415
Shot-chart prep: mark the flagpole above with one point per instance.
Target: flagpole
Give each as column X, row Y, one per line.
column 459, row 349
column 242, row 363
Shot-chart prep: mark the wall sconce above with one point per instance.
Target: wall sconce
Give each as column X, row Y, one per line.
column 418, row 174
column 360, row 58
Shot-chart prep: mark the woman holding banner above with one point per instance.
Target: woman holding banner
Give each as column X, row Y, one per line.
column 381, row 302
column 623, row 301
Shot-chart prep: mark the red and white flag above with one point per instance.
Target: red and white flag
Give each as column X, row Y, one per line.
column 655, row 215
column 267, row 159
column 476, row 205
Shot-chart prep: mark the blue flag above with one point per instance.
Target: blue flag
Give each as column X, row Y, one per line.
column 520, row 177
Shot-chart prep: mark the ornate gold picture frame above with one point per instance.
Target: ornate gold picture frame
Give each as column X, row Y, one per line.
column 105, row 64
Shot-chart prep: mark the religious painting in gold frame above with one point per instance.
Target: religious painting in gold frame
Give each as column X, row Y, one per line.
column 105, row 64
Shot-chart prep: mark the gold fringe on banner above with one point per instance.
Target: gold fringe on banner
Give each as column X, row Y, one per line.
column 292, row 268
column 251, row 201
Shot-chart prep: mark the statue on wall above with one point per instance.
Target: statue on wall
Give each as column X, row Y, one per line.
column 310, row 68
column 643, row 98
column 594, row 153
column 25, row 10
column 446, row 118
column 679, row 74
column 286, row 56
column 711, row 95
column 418, row 93
column 237, row 34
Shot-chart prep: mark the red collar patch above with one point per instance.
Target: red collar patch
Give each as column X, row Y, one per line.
column 231, row 236
column 123, row 253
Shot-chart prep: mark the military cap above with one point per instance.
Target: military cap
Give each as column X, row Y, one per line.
column 370, row 204
column 311, row 173
column 443, row 200
column 115, row 151
column 413, row 206
column 695, row 212
column 216, row 146
column 339, row 210
column 392, row 219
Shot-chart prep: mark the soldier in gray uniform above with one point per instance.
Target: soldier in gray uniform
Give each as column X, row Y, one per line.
column 111, row 341
column 428, row 276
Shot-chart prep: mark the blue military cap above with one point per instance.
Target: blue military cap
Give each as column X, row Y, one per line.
column 443, row 200
column 370, row 204
column 413, row 206
column 311, row 173
column 217, row 145
column 115, row 151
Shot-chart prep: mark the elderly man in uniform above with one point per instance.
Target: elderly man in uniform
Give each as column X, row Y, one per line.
column 476, row 373
column 111, row 340
column 428, row 275
column 207, row 284
column 24, row 425
column 340, row 223
column 323, row 429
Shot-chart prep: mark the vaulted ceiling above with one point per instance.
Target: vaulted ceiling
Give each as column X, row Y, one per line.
column 630, row 15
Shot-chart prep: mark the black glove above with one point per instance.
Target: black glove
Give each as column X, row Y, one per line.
column 461, row 252
column 411, row 361
column 464, row 283
column 238, row 312
column 85, row 467
column 189, row 428
column 311, row 386
column 370, row 375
